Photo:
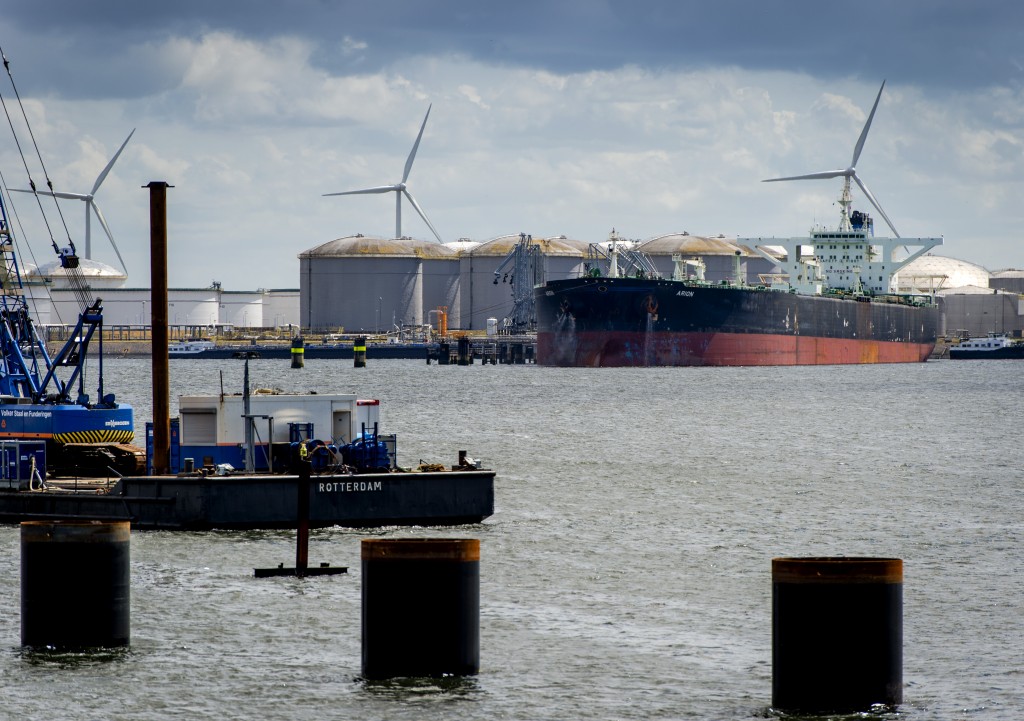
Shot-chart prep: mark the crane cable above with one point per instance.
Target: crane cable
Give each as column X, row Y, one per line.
column 72, row 269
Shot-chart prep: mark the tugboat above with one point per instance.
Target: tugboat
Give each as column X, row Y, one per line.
column 995, row 346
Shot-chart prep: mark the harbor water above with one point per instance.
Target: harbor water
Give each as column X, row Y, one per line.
column 626, row 572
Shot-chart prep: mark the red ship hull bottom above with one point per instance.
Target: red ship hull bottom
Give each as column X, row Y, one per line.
column 621, row 348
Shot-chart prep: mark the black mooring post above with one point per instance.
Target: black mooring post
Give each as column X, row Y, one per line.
column 421, row 607
column 303, row 489
column 302, row 538
column 62, row 560
column 837, row 634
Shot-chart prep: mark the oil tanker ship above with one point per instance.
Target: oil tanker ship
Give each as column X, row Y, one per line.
column 830, row 300
column 812, row 312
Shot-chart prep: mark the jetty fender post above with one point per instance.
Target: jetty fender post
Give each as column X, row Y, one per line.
column 359, row 352
column 64, row 563
column 420, row 607
column 837, row 634
column 298, row 352
column 463, row 351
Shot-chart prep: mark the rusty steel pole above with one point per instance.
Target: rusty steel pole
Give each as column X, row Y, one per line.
column 158, row 301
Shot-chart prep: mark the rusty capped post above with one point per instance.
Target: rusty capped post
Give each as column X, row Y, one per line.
column 421, row 607
column 837, row 634
column 64, row 563
column 158, row 319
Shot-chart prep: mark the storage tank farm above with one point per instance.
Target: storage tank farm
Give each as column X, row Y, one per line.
column 368, row 284
column 717, row 252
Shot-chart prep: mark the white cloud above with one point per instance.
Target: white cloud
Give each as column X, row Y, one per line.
column 251, row 134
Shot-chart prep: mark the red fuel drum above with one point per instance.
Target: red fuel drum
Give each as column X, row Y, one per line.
column 421, row 607
column 837, row 634
column 64, row 563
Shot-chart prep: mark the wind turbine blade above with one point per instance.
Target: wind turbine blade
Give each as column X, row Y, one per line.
column 824, row 174
column 874, row 202
column 379, row 189
column 106, row 229
column 103, row 176
column 48, row 194
column 864, row 133
column 422, row 214
column 415, row 147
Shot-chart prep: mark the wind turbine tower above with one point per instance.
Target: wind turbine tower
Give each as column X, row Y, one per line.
column 848, row 173
column 400, row 188
column 90, row 204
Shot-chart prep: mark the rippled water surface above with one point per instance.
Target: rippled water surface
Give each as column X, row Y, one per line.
column 626, row 573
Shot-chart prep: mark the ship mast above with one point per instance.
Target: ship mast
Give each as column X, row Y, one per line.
column 845, row 201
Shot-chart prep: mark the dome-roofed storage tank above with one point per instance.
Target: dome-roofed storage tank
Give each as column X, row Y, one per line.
column 96, row 274
column 367, row 284
column 931, row 273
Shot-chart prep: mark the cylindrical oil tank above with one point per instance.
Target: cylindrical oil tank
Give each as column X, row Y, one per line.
column 365, row 284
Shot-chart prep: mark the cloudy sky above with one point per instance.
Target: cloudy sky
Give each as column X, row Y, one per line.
column 551, row 117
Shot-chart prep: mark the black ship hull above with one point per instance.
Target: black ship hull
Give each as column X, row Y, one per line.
column 645, row 322
column 269, row 501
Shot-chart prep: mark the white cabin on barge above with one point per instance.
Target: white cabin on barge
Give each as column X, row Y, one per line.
column 213, row 428
column 219, row 420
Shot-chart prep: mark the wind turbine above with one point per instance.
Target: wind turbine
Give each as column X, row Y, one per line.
column 845, row 200
column 400, row 189
column 90, row 203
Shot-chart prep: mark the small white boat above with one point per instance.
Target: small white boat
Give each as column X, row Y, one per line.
column 995, row 346
column 189, row 347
